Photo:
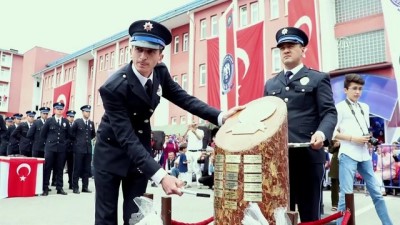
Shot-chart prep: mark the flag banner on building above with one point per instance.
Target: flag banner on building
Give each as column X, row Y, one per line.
column 250, row 55
column 391, row 15
column 63, row 94
column 302, row 15
column 238, row 76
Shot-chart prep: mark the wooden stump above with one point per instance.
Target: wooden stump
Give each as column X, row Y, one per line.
column 252, row 167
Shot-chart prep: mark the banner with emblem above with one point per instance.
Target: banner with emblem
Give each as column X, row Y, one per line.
column 63, row 94
column 302, row 14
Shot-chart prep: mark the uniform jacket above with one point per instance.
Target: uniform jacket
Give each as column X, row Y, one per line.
column 5, row 138
column 55, row 135
column 34, row 135
column 82, row 136
column 70, row 141
column 123, row 138
column 13, row 144
column 310, row 105
column 25, row 144
column 3, row 128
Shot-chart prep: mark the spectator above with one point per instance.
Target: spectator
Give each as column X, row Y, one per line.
column 194, row 137
column 170, row 146
column 385, row 169
column 207, row 177
column 183, row 166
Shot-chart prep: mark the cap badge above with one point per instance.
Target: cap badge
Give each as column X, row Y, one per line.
column 148, row 26
column 284, row 31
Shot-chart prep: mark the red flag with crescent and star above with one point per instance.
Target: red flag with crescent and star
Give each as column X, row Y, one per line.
column 22, row 177
column 62, row 94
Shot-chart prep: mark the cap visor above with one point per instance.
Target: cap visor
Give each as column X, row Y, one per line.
column 146, row 44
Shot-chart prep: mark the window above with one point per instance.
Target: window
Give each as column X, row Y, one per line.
column 173, row 120
column 350, row 10
column 121, row 56
column 5, row 58
column 112, row 60
column 91, row 72
column 74, row 73
column 101, row 63
column 183, row 120
column 126, row 54
column 107, row 61
column 184, row 84
column 243, row 15
column 203, row 74
column 274, row 9
column 214, row 26
column 185, row 46
column 5, row 74
column 362, row 49
column 203, row 29
column 175, row 78
column 276, row 60
column 254, row 12
column 176, row 44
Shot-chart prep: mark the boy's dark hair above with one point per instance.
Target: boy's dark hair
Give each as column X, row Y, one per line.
column 182, row 146
column 353, row 78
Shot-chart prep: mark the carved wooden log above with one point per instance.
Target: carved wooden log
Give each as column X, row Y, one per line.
column 251, row 163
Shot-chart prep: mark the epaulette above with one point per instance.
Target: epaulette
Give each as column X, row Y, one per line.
column 115, row 81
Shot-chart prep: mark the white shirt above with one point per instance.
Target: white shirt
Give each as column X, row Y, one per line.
column 294, row 70
column 193, row 143
column 347, row 124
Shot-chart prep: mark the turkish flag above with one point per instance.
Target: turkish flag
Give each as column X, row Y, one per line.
column 22, row 177
column 62, row 94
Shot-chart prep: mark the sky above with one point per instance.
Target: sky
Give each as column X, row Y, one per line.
column 68, row 26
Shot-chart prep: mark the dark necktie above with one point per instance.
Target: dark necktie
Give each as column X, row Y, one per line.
column 58, row 121
column 86, row 123
column 287, row 76
column 149, row 87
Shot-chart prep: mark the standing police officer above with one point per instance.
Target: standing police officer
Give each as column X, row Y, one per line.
column 34, row 133
column 20, row 134
column 13, row 144
column 70, row 151
column 55, row 132
column 5, row 135
column 83, row 132
column 312, row 118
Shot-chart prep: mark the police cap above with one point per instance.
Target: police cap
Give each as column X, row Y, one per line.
column 18, row 116
column 291, row 35
column 9, row 119
column 86, row 108
column 31, row 113
column 58, row 105
column 149, row 34
column 44, row 109
column 71, row 113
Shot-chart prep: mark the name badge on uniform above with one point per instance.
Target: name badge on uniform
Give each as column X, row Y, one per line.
column 64, row 124
column 304, row 80
column 159, row 90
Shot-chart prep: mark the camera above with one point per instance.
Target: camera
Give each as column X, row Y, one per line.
column 373, row 141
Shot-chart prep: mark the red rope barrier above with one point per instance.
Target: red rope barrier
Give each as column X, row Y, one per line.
column 324, row 220
column 346, row 217
column 204, row 222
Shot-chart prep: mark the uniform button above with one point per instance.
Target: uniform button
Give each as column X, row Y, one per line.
column 140, row 131
column 124, row 76
column 58, row 138
column 151, row 110
column 146, row 121
column 58, row 133
column 302, row 90
column 311, row 132
column 287, row 88
column 134, row 114
column 286, row 99
column 108, row 139
column 273, row 93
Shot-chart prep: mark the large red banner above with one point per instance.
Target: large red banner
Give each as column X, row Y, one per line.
column 213, row 82
column 63, row 94
column 302, row 15
column 22, row 177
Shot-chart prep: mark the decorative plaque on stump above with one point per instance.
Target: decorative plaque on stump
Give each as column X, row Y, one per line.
column 251, row 162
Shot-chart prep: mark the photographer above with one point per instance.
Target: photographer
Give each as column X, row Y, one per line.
column 352, row 131
column 194, row 137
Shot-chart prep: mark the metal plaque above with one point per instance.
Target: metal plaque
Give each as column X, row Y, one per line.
column 252, row 159
column 232, row 158
column 219, row 175
column 219, row 167
column 219, row 184
column 252, row 168
column 232, row 185
column 218, row 193
column 219, row 158
column 252, row 197
column 231, row 194
column 253, row 187
column 252, row 177
column 231, row 176
column 232, row 168
column 230, row 204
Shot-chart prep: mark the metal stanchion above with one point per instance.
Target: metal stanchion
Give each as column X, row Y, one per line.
column 166, row 210
column 349, row 198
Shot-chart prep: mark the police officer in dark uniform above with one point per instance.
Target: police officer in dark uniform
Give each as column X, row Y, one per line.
column 312, row 118
column 13, row 144
column 20, row 134
column 5, row 135
column 55, row 132
column 122, row 152
column 70, row 152
column 83, row 132
column 34, row 133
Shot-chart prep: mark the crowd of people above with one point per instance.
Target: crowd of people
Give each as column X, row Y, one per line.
column 60, row 141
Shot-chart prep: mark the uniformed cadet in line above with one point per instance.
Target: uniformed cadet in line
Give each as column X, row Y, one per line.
column 20, row 134
column 130, row 96
column 13, row 144
column 34, row 133
column 70, row 152
column 83, row 132
column 4, row 135
column 55, row 132
column 312, row 118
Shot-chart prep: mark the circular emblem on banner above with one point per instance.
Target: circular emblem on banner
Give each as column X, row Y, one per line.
column 24, row 165
column 227, row 72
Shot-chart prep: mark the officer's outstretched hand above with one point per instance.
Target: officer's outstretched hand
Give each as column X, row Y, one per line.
column 317, row 142
column 232, row 112
column 172, row 185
